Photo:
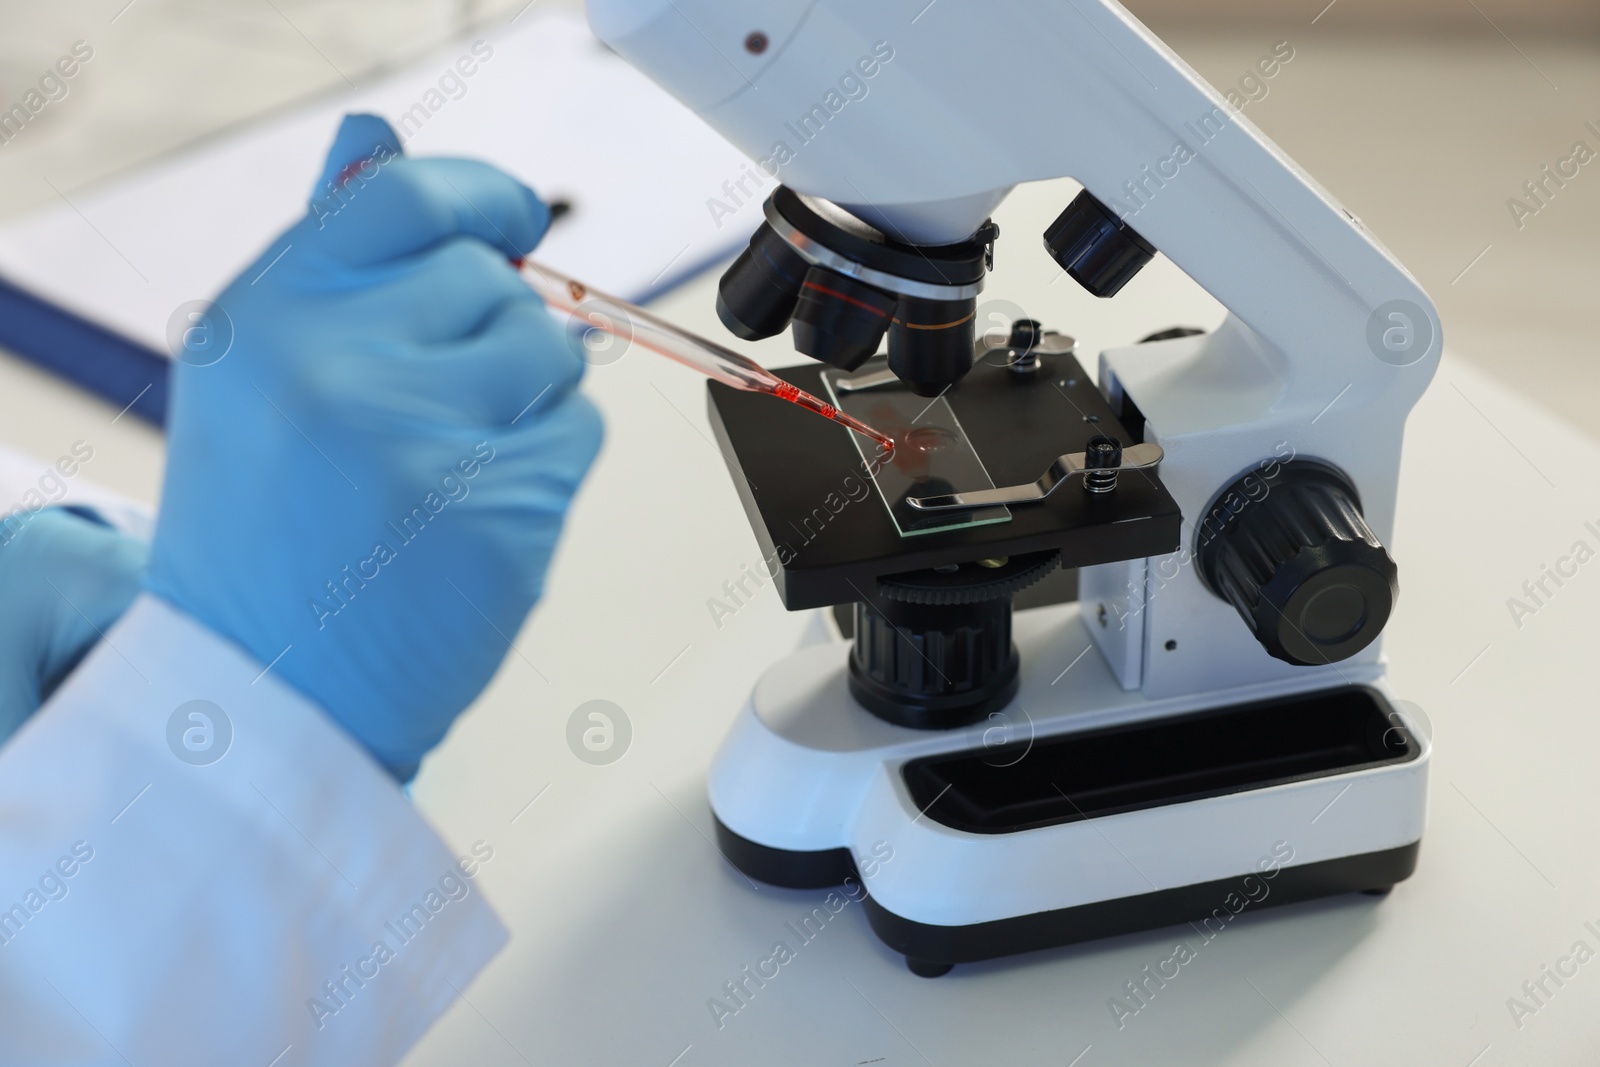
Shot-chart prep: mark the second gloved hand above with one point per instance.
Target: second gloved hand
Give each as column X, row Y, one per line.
column 64, row 580
column 366, row 489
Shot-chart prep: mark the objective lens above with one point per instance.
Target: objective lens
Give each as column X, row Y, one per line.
column 757, row 294
column 930, row 343
column 840, row 320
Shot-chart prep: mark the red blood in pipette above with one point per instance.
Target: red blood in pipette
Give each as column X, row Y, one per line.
column 795, row 395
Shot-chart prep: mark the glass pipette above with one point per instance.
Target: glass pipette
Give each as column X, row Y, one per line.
column 631, row 323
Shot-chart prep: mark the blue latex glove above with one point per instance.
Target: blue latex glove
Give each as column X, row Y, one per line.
column 366, row 490
column 64, row 579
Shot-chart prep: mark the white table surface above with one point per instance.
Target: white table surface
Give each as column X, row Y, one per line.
column 625, row 920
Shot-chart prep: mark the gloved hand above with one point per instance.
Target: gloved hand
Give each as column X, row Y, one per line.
column 366, row 490
column 64, row 579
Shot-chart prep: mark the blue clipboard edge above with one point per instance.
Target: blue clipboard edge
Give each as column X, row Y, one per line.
column 106, row 363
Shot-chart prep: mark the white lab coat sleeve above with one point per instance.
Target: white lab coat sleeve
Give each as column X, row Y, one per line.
column 245, row 887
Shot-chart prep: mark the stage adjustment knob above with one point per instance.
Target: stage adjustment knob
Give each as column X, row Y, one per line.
column 933, row 648
column 1294, row 556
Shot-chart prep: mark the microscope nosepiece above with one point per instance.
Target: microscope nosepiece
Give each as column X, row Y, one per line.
column 842, row 285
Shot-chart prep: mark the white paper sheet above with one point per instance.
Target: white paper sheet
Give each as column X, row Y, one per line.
column 550, row 105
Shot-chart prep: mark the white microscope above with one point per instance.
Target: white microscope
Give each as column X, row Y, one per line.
column 1207, row 728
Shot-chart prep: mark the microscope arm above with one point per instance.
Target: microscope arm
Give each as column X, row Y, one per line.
column 967, row 99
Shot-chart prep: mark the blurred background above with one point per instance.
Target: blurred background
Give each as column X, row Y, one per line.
column 1424, row 117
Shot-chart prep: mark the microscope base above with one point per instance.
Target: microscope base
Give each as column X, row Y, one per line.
column 932, row 950
column 927, row 946
column 1078, row 812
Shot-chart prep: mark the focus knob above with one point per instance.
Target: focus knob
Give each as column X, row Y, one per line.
column 1293, row 554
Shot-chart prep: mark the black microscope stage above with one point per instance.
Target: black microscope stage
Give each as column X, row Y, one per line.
column 826, row 535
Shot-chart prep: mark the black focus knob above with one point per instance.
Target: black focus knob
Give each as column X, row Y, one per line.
column 1293, row 554
column 1101, row 252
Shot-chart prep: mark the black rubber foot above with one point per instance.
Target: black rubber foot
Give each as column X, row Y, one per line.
column 1380, row 891
column 924, row 969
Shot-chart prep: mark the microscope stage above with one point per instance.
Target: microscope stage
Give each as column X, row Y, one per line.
column 826, row 536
